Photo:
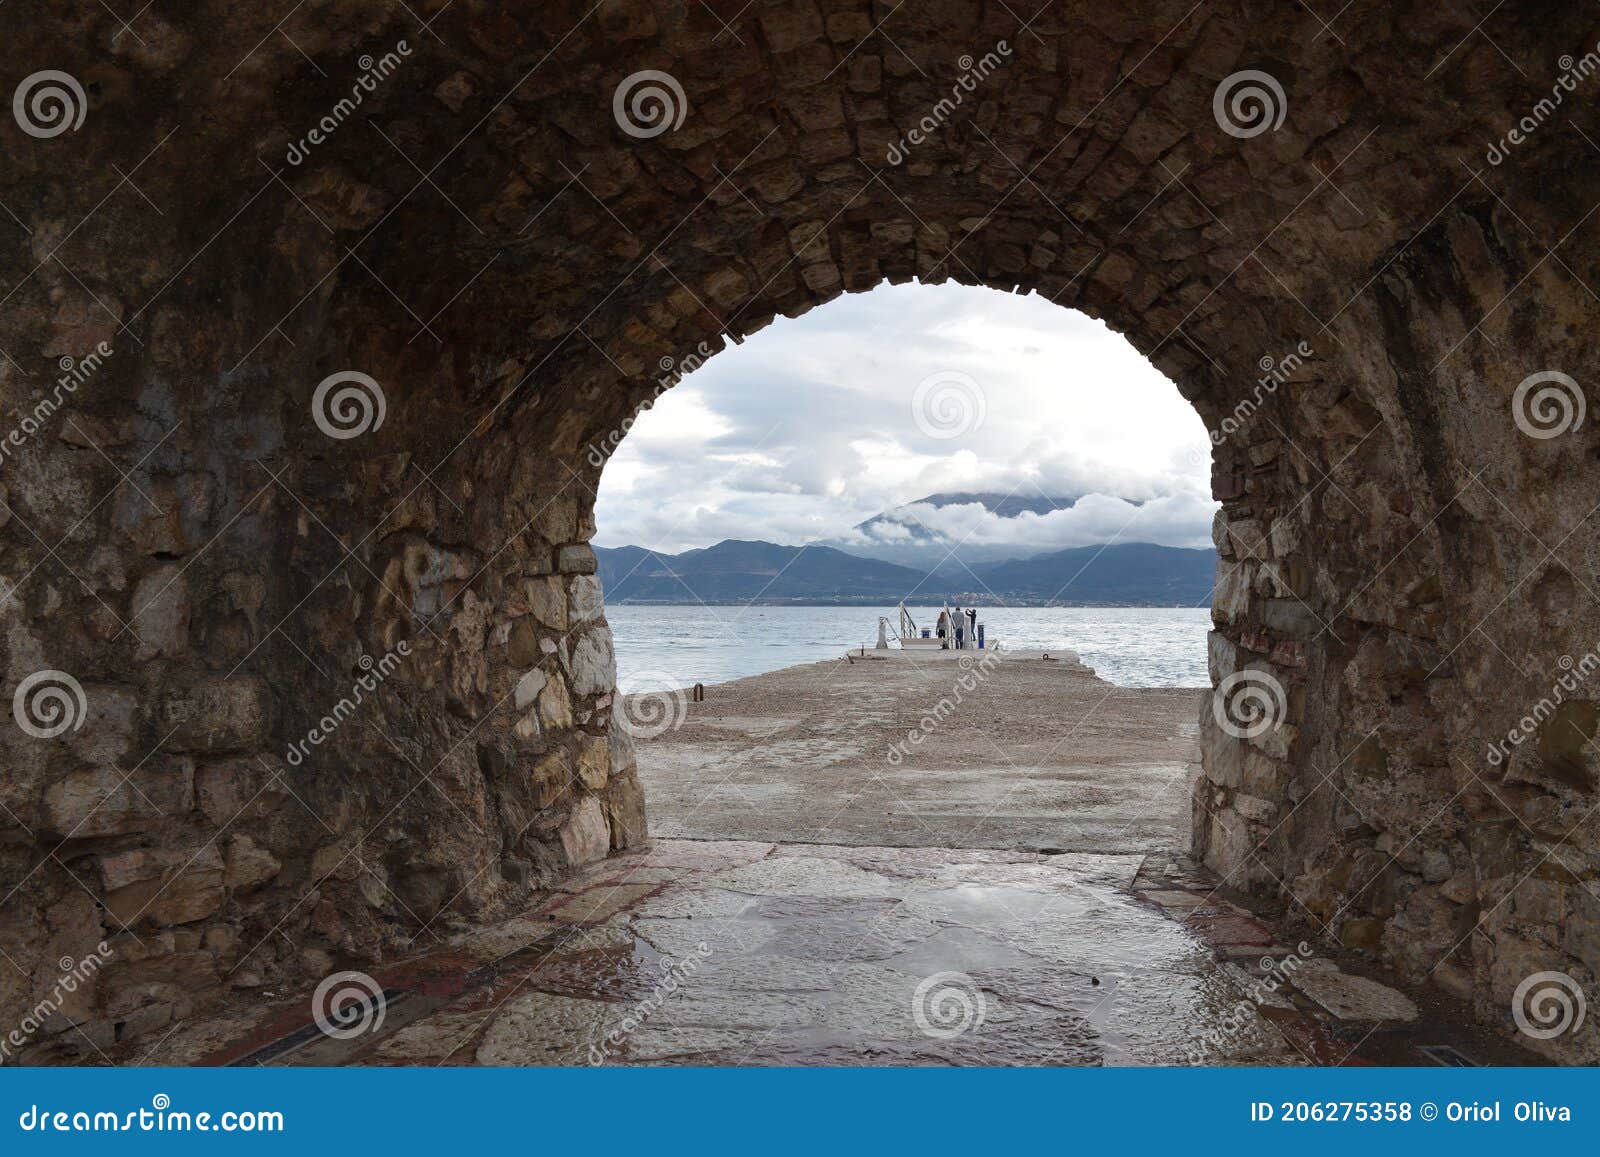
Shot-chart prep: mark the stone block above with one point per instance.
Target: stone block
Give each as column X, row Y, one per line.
column 623, row 756
column 162, row 887
column 1222, row 657
column 1285, row 537
column 110, row 724
column 1221, row 755
column 593, row 664
column 1263, row 776
column 894, row 232
column 1247, row 538
column 1351, row 998
column 816, row 109
column 626, row 812
column 1232, row 599
column 1256, row 810
column 555, row 706
column 848, row 27
column 217, row 715
column 547, row 601
column 1219, row 535
column 1362, row 932
column 864, row 73
column 159, row 613
column 528, row 689
column 791, row 26
column 550, row 777
column 229, row 790
column 106, row 801
column 594, row 762
column 584, row 599
column 248, row 864
column 577, row 558
column 586, row 836
column 522, row 643
column 1290, row 617
column 1276, row 741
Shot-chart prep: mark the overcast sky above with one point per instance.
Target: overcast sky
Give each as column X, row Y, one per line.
column 876, row 399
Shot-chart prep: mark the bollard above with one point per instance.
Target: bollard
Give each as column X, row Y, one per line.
column 699, row 692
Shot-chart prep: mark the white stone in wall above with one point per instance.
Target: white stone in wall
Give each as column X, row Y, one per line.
column 586, row 836
column 593, row 663
column 528, row 688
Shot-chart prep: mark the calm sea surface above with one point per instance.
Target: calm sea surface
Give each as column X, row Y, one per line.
column 1129, row 646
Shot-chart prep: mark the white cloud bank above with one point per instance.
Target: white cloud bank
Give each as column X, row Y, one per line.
column 808, row 429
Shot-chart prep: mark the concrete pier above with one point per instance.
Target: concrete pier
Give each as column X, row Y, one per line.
column 969, row 749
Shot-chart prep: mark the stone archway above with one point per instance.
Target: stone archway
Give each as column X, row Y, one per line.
column 443, row 205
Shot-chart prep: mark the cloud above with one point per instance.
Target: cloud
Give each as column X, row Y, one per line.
column 808, row 428
column 1177, row 519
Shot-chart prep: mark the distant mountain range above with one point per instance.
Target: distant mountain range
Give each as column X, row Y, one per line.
column 736, row 571
column 733, row 571
column 899, row 555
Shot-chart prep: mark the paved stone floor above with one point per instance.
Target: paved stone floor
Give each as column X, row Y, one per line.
column 737, row 952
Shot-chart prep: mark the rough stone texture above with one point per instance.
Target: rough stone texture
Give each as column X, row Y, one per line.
column 480, row 237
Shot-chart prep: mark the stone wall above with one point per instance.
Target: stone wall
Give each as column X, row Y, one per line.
column 219, row 556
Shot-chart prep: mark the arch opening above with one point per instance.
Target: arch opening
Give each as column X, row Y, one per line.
column 916, row 447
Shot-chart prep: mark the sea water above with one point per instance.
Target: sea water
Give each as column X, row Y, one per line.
column 683, row 645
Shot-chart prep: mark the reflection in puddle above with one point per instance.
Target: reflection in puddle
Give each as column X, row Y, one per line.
column 825, row 957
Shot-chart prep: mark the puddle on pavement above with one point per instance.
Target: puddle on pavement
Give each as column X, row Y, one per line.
column 822, row 959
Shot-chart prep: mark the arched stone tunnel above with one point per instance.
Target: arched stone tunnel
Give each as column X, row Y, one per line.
column 345, row 673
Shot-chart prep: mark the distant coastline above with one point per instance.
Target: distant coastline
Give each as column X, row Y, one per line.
column 753, row 573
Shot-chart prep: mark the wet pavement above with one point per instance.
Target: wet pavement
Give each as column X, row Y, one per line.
column 734, row 952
